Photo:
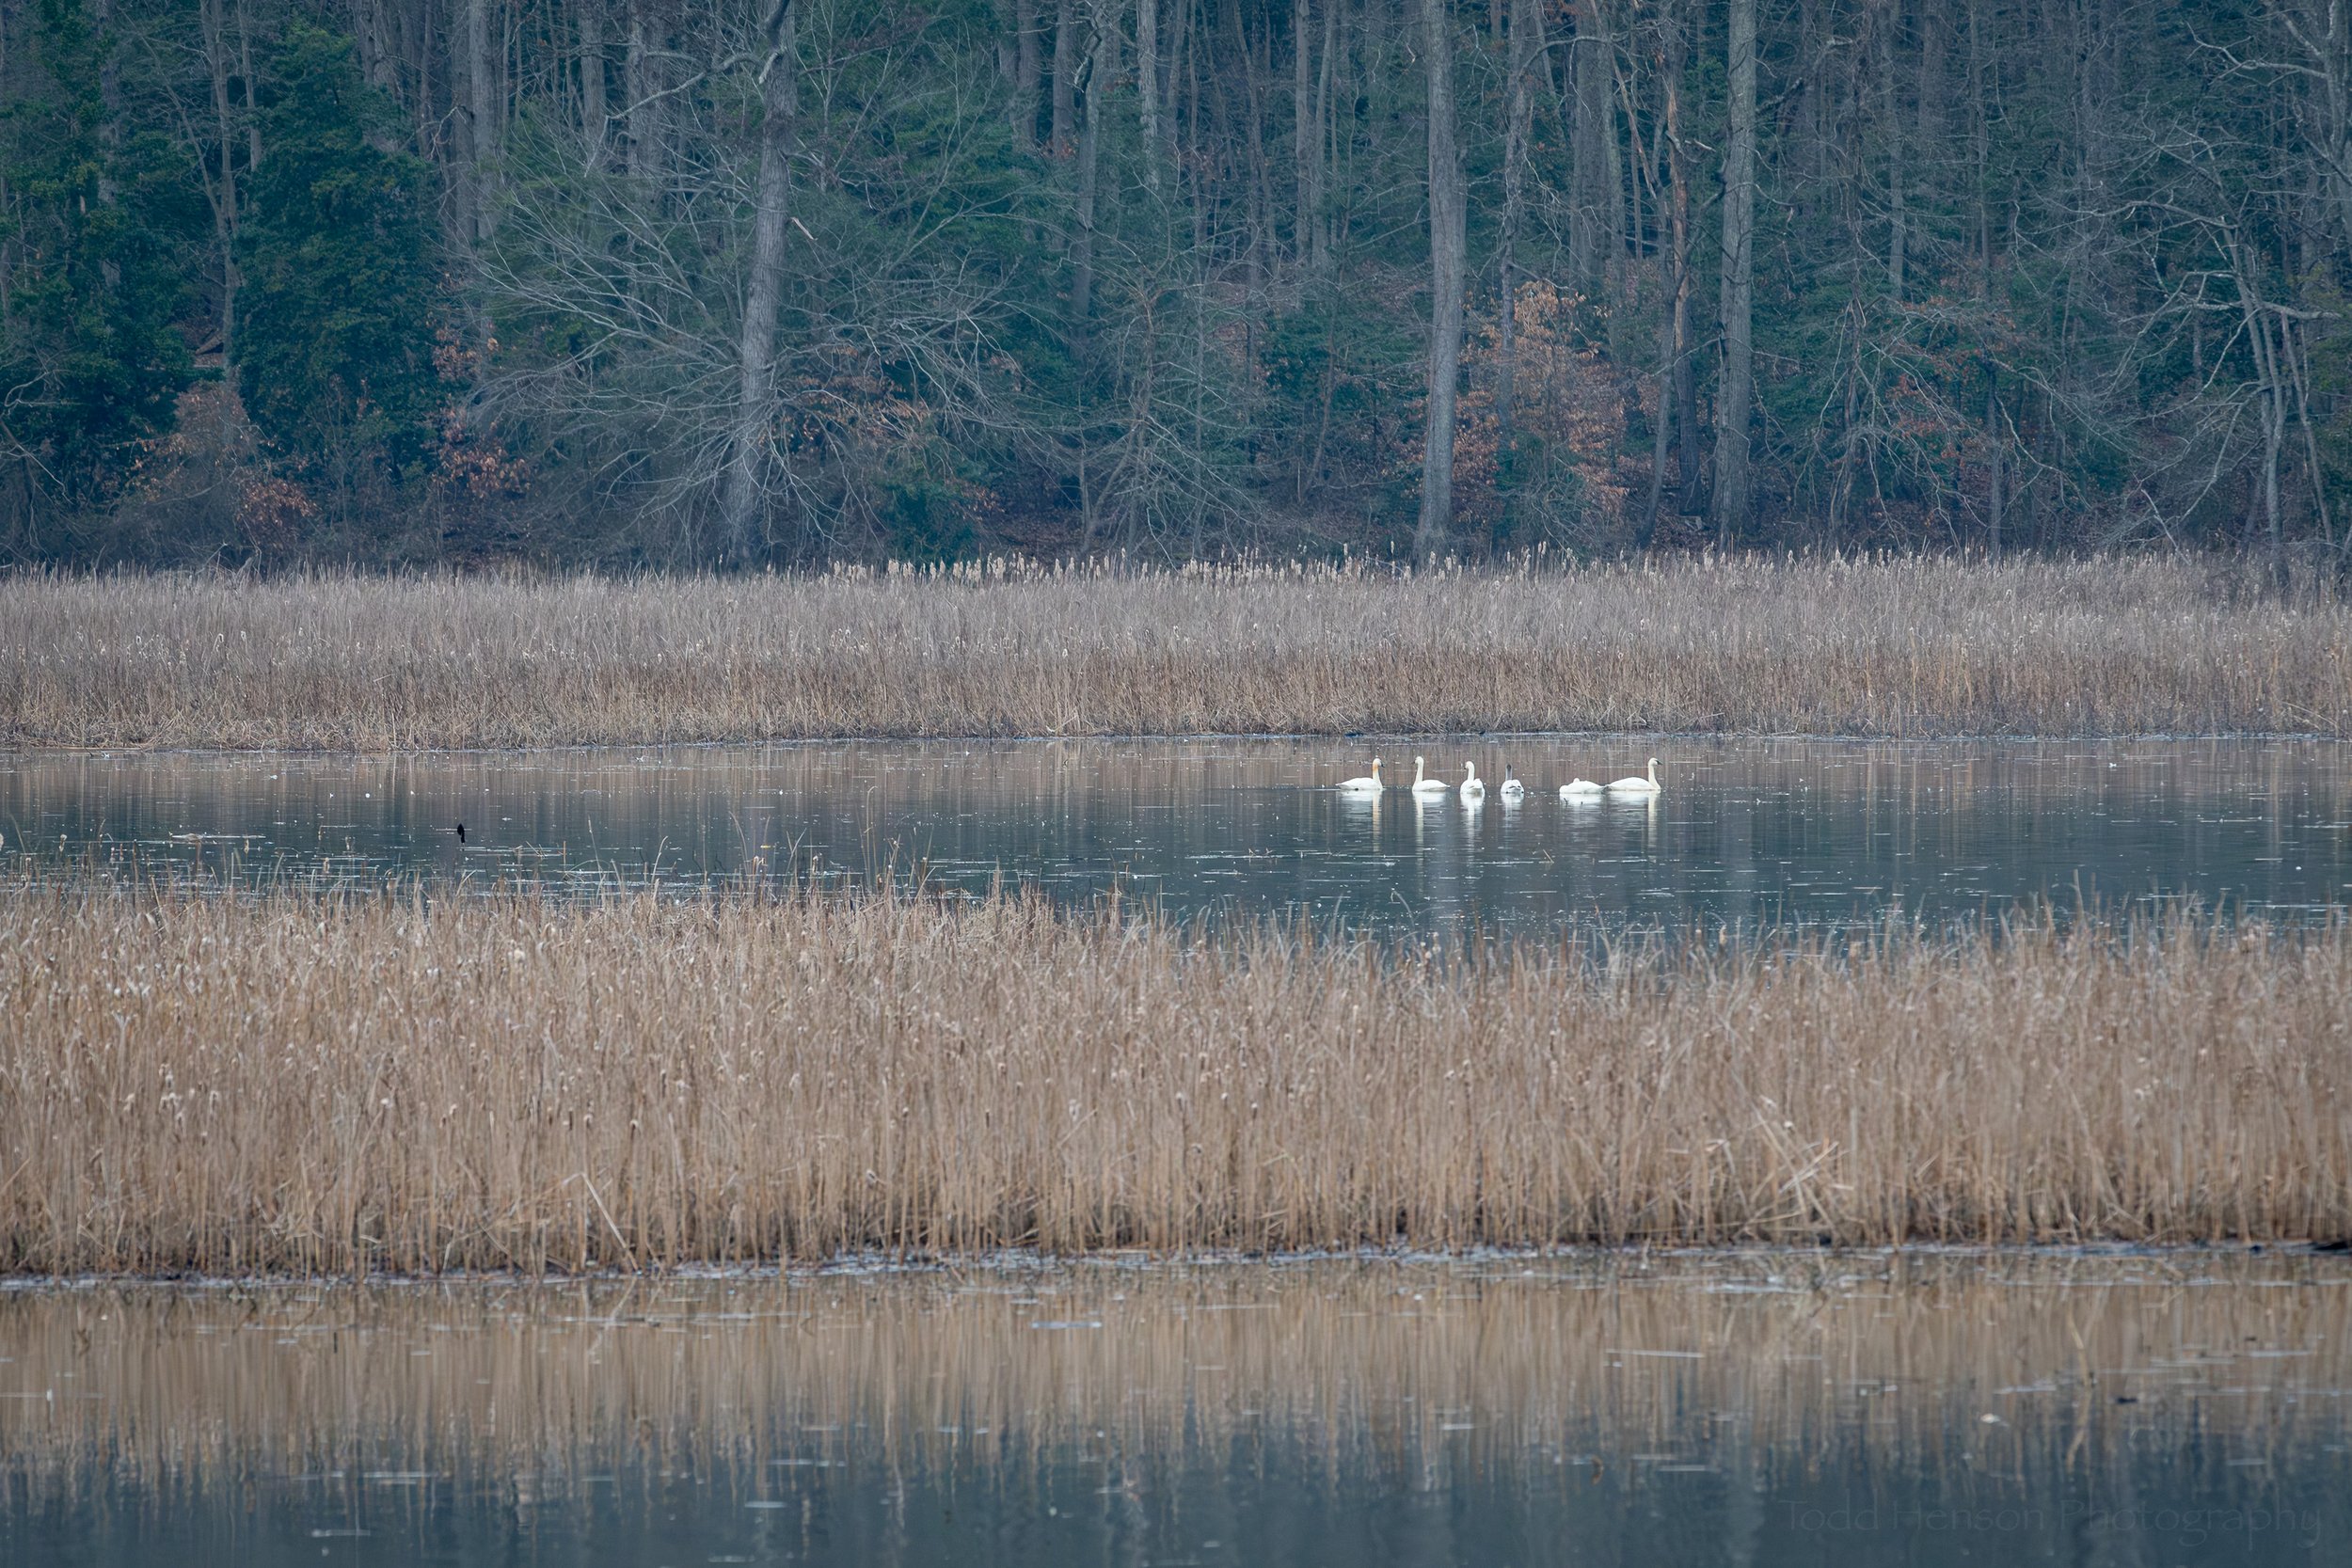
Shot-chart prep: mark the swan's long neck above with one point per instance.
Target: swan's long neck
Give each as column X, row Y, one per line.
column 1653, row 772
column 1376, row 770
column 1417, row 770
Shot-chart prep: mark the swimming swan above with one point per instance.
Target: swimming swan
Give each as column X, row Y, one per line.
column 1637, row 786
column 1369, row 785
column 1512, row 788
column 1472, row 789
column 1580, row 789
column 1425, row 786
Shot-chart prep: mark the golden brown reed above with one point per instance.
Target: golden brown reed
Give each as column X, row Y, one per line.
column 313, row 1085
column 1404, row 1370
column 1882, row 647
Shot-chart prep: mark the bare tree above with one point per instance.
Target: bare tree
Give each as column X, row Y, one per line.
column 1449, row 245
column 481, row 150
column 1062, row 135
column 1673, row 51
column 1307, row 136
column 594, row 116
column 1518, row 128
column 1093, row 82
column 641, row 78
column 1024, row 74
column 1596, row 205
column 1733, row 405
column 1148, row 87
column 764, row 289
column 224, row 187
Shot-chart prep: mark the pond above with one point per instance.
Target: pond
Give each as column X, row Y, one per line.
column 1749, row 834
column 2175, row 1408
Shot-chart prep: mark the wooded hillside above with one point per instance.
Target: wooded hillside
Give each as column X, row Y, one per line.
column 749, row 282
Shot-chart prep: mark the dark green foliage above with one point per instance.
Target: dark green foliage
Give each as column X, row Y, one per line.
column 335, row 353
column 97, row 228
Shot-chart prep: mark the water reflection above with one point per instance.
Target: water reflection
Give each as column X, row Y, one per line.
column 1750, row 832
column 2168, row 1408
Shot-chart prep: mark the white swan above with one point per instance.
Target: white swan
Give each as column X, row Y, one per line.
column 1512, row 788
column 1472, row 789
column 1637, row 786
column 1580, row 789
column 1423, row 784
column 1368, row 784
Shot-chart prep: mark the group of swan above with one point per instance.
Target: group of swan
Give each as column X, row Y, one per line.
column 1472, row 788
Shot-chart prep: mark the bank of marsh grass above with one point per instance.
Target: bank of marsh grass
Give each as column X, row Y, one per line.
column 299, row 1085
column 1906, row 647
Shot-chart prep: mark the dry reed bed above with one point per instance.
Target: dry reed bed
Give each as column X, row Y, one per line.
column 1889, row 1368
column 303, row 1085
column 1884, row 647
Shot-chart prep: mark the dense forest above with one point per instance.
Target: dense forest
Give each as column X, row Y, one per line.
column 753, row 282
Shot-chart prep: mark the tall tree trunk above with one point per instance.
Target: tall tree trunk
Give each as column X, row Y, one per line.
column 1807, row 143
column 1092, row 77
column 1733, row 406
column 1063, row 133
column 1025, row 76
column 1996, row 482
column 643, row 71
column 364, row 37
column 1593, row 221
column 1148, row 87
column 2321, row 33
column 1679, row 225
column 2259, row 321
column 417, row 54
column 762, row 294
column 1448, row 247
column 1179, row 66
column 1897, row 175
column 1981, row 146
column 1261, row 179
column 1933, row 67
column 253, row 102
column 1638, row 235
column 593, row 114
column 109, row 107
column 1307, row 136
column 376, row 56
column 225, row 197
column 1326, row 157
column 1517, row 128
column 481, row 117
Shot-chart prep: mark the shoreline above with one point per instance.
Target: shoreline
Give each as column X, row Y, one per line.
column 8, row 749
column 1016, row 1264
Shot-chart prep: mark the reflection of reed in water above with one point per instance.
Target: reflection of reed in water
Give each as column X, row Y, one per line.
column 1784, row 1371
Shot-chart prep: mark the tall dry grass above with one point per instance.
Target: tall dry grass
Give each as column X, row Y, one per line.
column 337, row 1087
column 1888, row 647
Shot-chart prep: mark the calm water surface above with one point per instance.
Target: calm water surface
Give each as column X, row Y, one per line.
column 2154, row 1409
column 1750, row 832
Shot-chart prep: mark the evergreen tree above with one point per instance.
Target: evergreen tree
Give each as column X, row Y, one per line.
column 339, row 296
column 95, row 277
